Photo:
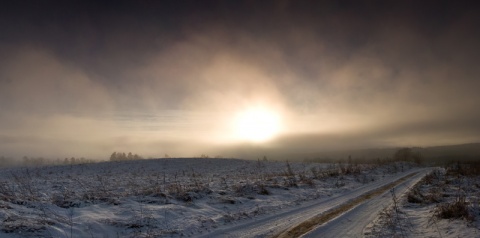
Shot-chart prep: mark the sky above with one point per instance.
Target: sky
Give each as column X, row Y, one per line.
column 236, row 78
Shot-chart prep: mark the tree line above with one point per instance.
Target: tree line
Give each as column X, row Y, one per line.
column 121, row 156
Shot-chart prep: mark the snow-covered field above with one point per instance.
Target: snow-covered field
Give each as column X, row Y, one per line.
column 174, row 197
column 353, row 222
column 444, row 204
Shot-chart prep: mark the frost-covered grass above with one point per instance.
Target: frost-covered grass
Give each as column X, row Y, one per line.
column 444, row 204
column 164, row 197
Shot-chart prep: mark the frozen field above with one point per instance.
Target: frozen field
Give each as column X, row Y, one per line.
column 177, row 197
column 444, row 204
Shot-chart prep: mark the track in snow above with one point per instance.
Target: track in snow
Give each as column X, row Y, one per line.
column 277, row 223
column 353, row 222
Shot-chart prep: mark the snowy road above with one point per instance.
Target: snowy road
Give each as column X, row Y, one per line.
column 276, row 223
column 353, row 222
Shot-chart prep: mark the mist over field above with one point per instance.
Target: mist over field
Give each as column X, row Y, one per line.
column 155, row 78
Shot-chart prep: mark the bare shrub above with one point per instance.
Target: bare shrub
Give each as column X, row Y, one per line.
column 248, row 189
column 179, row 192
column 262, row 190
column 315, row 173
column 353, row 169
column 340, row 182
column 6, row 192
column 434, row 194
column 394, row 219
column 16, row 224
column 432, row 177
column 463, row 169
column 308, row 181
column 290, row 182
column 26, row 189
column 455, row 210
column 415, row 196
column 333, row 173
column 289, row 171
column 64, row 200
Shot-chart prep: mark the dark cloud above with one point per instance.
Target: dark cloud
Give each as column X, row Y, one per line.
column 343, row 74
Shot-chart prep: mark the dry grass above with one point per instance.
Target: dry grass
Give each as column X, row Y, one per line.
column 455, row 210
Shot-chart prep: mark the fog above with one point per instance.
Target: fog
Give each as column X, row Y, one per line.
column 84, row 79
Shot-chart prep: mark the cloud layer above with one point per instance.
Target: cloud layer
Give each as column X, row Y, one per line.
column 158, row 78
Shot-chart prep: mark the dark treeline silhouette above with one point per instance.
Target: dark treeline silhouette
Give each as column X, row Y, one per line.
column 436, row 155
column 118, row 156
column 408, row 155
column 41, row 161
column 7, row 161
column 350, row 159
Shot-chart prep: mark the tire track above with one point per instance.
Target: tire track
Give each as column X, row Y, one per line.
column 320, row 219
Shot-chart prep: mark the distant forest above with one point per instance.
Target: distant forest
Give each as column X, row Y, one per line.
column 438, row 155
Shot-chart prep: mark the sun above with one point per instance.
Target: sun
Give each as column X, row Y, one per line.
column 256, row 124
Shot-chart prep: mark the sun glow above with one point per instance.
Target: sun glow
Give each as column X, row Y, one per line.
column 256, row 125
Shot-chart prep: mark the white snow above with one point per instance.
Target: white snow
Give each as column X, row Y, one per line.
column 353, row 222
column 417, row 214
column 178, row 197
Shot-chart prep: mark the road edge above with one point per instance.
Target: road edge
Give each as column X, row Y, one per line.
column 328, row 215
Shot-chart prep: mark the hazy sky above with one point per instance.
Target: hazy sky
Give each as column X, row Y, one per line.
column 82, row 78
